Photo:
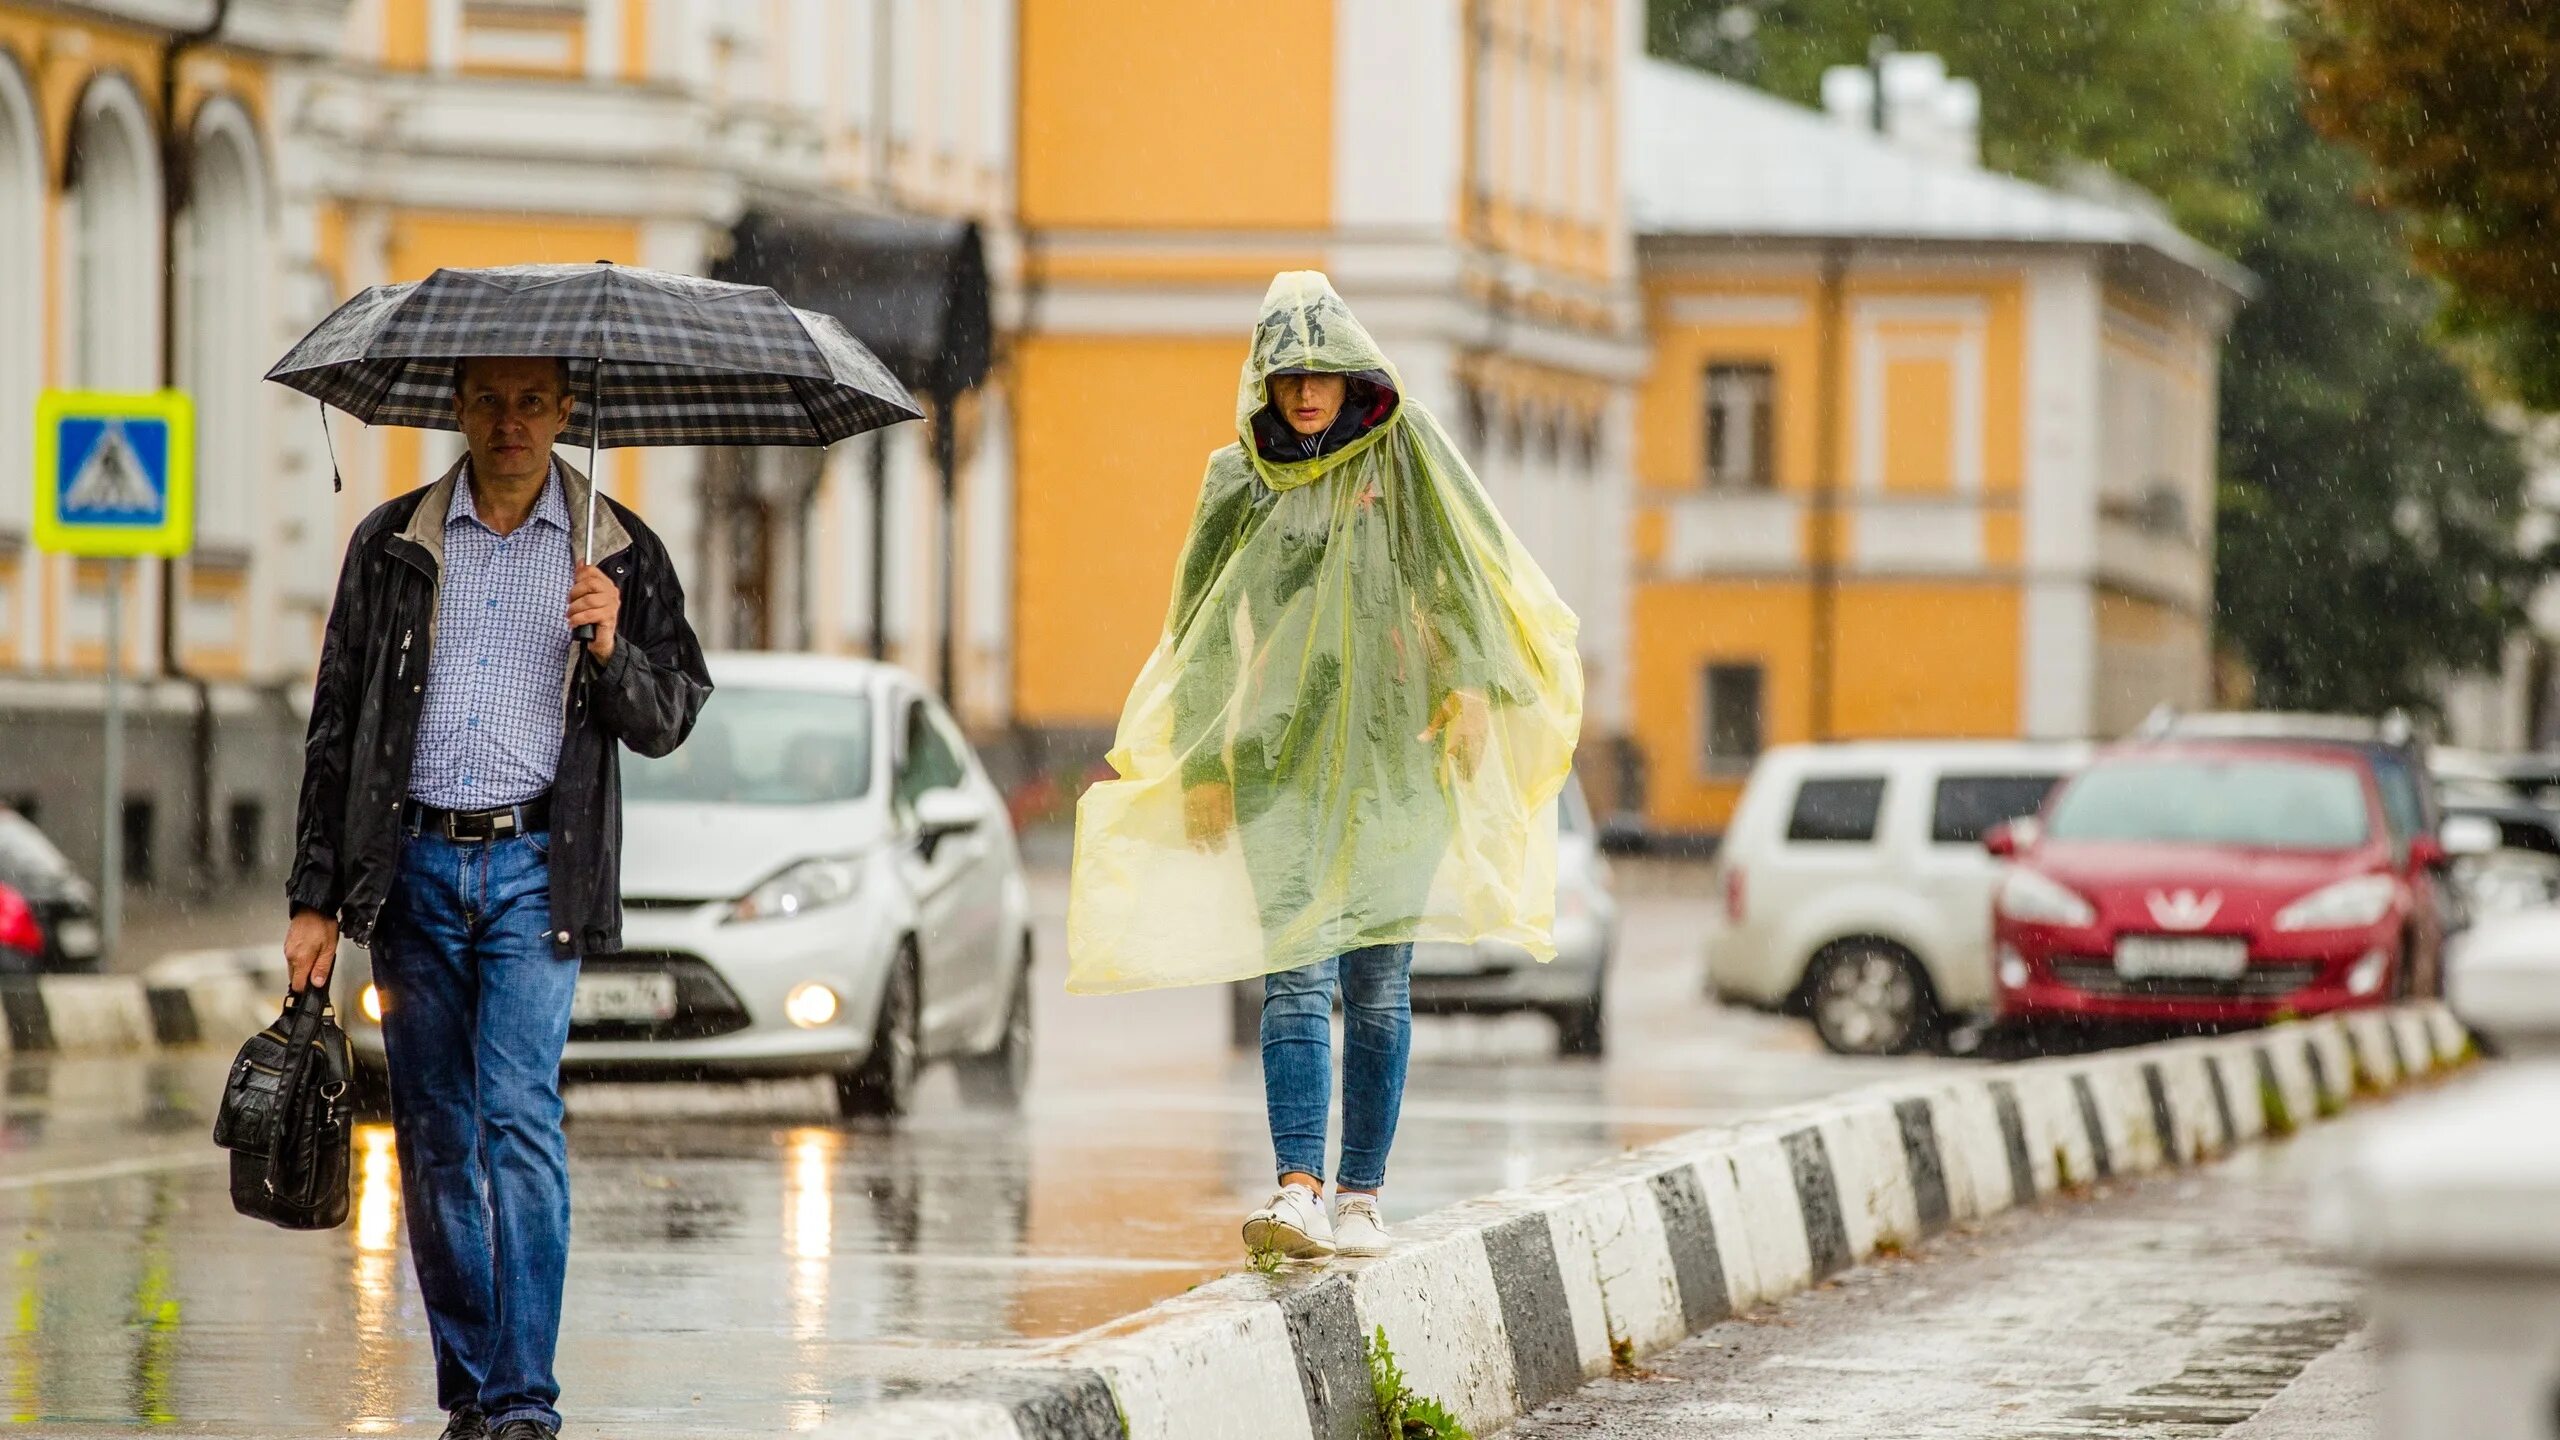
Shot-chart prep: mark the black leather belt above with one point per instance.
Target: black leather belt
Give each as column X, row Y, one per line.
column 533, row 817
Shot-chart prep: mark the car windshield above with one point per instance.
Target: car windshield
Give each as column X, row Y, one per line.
column 2257, row 804
column 764, row 747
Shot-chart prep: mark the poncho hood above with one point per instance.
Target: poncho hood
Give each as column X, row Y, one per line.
column 1354, row 727
column 1306, row 329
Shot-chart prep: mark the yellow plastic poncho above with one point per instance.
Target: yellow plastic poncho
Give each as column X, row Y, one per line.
column 1361, row 711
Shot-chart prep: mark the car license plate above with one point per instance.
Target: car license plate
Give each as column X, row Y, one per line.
column 623, row 997
column 78, row 938
column 2184, row 957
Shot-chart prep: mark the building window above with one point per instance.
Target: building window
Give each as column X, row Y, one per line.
column 221, row 351
column 21, row 290
column 1730, row 700
column 136, row 831
column 114, row 330
column 248, row 838
column 1739, row 449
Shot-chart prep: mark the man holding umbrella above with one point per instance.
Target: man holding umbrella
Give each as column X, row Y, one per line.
column 496, row 637
column 460, row 810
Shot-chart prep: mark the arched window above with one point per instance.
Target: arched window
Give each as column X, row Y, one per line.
column 21, row 292
column 221, row 337
column 114, row 255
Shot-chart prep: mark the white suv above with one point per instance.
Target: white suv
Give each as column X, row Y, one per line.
column 1857, row 891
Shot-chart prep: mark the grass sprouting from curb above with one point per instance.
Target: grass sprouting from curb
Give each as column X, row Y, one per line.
column 1403, row 1414
column 1266, row 1260
column 2279, row 1114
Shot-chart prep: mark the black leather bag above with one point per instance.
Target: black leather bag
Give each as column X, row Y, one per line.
column 288, row 1116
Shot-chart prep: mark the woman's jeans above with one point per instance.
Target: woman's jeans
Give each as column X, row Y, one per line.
column 1297, row 1060
column 475, row 1013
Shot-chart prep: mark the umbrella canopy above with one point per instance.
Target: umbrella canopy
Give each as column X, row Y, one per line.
column 683, row 360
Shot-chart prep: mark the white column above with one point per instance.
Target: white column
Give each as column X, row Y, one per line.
column 604, row 39
column 2057, row 690
column 444, row 36
column 987, row 682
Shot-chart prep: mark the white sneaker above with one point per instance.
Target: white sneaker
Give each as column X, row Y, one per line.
column 1292, row 1224
column 1357, row 1230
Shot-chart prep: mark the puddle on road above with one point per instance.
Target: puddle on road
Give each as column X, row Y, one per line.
column 807, row 1262
column 2227, row 1381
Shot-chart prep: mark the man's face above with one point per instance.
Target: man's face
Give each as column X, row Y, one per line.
column 512, row 408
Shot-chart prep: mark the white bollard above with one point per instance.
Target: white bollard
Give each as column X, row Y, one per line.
column 2453, row 1205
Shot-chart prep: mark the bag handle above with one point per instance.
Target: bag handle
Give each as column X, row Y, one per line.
column 304, row 1010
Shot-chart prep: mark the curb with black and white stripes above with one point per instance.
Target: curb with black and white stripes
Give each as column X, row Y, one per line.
column 1498, row 1305
column 201, row 997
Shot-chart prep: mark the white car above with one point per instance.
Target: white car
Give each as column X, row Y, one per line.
column 821, row 880
column 1856, row 888
column 1494, row 978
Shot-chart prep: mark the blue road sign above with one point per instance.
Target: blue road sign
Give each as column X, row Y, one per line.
column 114, row 473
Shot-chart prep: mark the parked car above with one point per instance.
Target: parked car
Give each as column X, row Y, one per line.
column 821, row 880
column 2411, row 772
column 1856, row 889
column 2218, row 881
column 48, row 915
column 2519, row 868
column 1494, row 978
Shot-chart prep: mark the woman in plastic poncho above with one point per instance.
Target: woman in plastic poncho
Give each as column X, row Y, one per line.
column 1349, row 739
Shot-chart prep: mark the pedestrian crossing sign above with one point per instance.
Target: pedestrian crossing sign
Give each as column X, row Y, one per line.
column 115, row 472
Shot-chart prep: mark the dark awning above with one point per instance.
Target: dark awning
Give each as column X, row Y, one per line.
column 914, row 290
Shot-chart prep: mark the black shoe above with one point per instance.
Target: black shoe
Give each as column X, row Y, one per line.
column 466, row 1424
column 522, row 1429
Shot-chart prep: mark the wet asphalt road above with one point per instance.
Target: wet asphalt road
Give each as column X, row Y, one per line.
column 745, row 1263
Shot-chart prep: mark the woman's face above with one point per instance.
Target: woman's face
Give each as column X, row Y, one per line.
column 1308, row 402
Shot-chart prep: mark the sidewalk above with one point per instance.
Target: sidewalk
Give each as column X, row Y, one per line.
column 2175, row 1306
column 157, row 924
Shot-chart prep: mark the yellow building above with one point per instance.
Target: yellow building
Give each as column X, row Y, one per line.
column 1451, row 165
column 328, row 145
column 140, row 246
column 494, row 132
column 1923, row 450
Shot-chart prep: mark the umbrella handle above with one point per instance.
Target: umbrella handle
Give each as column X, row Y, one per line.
column 585, row 634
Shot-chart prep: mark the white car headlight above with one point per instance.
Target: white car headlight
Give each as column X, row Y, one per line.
column 809, row 885
column 2347, row 905
column 2028, row 896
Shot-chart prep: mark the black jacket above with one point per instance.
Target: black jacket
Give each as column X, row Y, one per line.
column 372, row 686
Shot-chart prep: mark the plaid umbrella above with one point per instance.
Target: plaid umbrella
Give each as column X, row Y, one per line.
column 661, row 359
column 682, row 360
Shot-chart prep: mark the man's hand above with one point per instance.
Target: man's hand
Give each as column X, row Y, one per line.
column 1208, row 813
column 1465, row 723
column 595, row 600
column 310, row 948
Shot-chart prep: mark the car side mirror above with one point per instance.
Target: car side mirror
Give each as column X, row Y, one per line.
column 2426, row 852
column 2001, row 840
column 2464, row 835
column 948, row 810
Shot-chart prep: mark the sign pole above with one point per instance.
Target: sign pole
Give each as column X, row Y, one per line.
column 111, row 864
column 114, row 480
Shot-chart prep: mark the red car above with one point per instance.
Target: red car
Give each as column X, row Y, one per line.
column 2217, row 881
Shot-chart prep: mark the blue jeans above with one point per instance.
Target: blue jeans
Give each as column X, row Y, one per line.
column 1297, row 1060
column 475, row 1011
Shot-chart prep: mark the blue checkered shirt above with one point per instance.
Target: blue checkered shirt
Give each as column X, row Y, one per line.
column 496, row 684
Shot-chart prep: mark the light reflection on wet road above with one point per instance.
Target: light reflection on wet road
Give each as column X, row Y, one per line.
column 746, row 1264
